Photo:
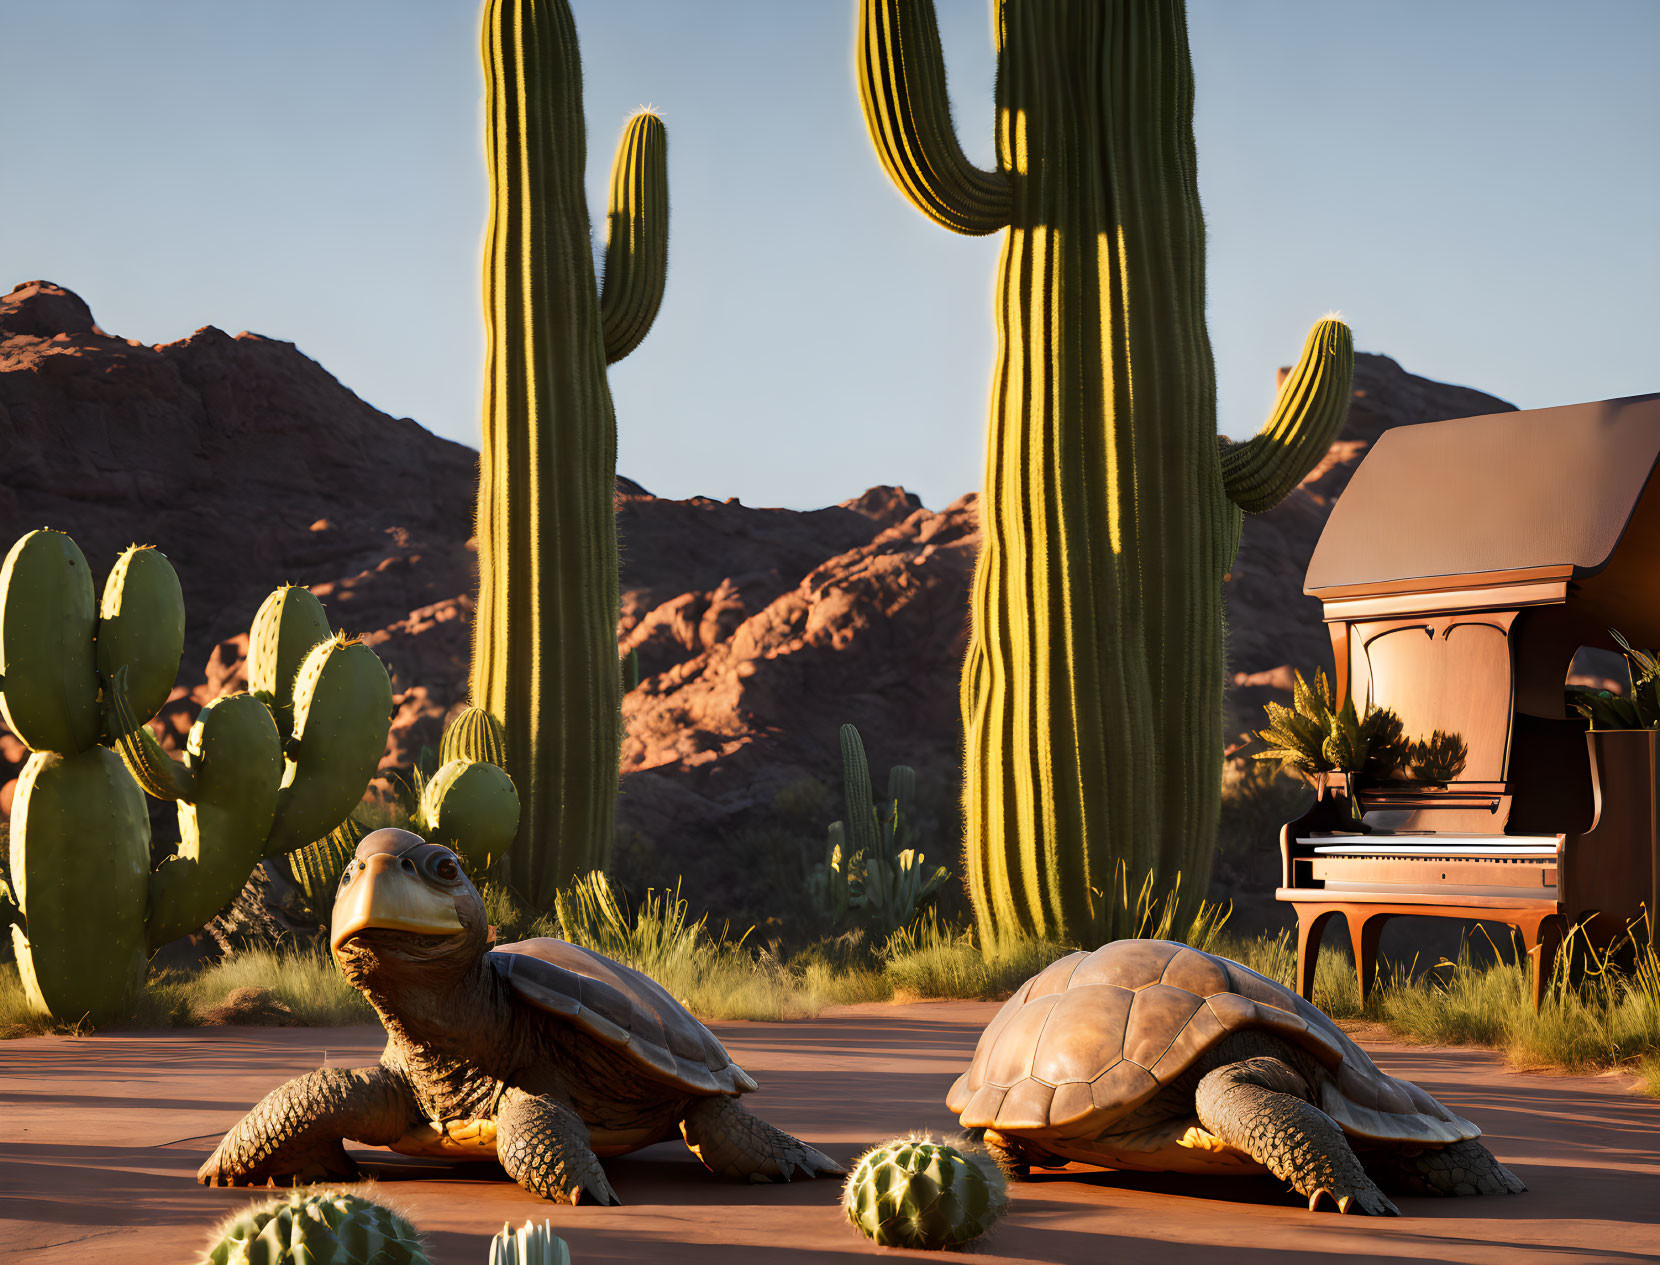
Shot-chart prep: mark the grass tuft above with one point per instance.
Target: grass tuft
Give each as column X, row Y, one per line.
column 1597, row 1014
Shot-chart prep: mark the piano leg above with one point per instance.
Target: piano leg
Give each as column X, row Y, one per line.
column 1364, row 930
column 1542, row 937
column 1311, row 925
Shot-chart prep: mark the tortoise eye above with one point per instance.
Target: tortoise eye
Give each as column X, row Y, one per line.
column 445, row 868
column 347, row 873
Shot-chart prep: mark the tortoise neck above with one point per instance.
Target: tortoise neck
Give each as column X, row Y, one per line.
column 448, row 1017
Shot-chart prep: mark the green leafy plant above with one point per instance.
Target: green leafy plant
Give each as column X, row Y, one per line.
column 316, row 1227
column 1639, row 708
column 1315, row 735
column 872, row 865
column 919, row 1192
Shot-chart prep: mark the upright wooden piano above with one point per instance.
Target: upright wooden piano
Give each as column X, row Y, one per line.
column 1461, row 570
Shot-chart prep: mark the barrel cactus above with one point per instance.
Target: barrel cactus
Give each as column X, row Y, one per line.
column 319, row 1226
column 1092, row 689
column 76, row 673
column 474, row 734
column 471, row 807
column 916, row 1192
column 530, row 1244
column 545, row 637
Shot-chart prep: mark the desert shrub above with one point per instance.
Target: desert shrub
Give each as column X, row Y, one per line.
column 932, row 959
column 512, row 919
column 306, row 981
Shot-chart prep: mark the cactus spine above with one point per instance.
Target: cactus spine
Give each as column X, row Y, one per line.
column 545, row 644
column 530, row 1244
column 316, row 1227
column 1092, row 691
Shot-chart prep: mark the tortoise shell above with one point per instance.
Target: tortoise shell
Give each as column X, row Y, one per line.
column 1091, row 1037
column 623, row 1009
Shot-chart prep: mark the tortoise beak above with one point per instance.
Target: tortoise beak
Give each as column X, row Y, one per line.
column 388, row 895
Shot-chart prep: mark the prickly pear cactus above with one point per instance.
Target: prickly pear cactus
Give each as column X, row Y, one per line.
column 262, row 774
column 530, row 1244
column 915, row 1192
column 316, row 1227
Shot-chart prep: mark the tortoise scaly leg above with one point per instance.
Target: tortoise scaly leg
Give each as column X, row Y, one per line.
column 293, row 1135
column 543, row 1145
column 732, row 1143
column 1262, row 1106
column 1464, row 1168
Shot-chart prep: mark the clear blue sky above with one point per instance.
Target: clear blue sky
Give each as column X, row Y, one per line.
column 1474, row 183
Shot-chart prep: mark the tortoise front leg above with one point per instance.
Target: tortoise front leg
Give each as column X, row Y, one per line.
column 293, row 1135
column 543, row 1145
column 1262, row 1106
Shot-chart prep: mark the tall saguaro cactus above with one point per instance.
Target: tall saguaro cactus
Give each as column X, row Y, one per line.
column 545, row 645
column 1092, row 692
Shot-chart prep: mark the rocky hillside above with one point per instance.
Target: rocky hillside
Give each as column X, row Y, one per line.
column 760, row 631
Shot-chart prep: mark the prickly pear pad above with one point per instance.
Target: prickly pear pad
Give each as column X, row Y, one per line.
column 320, row 1226
column 918, row 1192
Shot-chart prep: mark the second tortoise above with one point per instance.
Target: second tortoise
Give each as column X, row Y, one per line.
column 1150, row 1055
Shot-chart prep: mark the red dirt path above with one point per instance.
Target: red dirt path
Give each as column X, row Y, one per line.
column 100, row 1138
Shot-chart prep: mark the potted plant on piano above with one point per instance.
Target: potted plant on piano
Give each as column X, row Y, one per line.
column 1316, row 738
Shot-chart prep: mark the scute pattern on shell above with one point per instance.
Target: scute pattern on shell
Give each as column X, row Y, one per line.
column 623, row 1008
column 1091, row 1037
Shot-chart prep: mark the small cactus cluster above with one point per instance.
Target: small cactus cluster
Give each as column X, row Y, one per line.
column 264, row 773
column 916, row 1192
column 530, row 1244
column 870, row 862
column 316, row 1227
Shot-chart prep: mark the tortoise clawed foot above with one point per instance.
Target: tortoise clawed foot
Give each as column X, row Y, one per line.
column 732, row 1143
column 218, row 1173
column 593, row 1188
column 1362, row 1202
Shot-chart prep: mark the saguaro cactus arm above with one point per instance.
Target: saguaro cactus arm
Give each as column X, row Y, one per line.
column 1312, row 405
column 902, row 87
column 636, row 236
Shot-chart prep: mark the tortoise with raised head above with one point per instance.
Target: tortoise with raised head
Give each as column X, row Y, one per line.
column 1155, row 1056
column 541, row 1054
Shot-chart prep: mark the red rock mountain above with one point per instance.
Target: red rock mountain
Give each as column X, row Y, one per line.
column 759, row 631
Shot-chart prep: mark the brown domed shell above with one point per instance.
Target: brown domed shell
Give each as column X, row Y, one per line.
column 622, row 1008
column 1091, row 1037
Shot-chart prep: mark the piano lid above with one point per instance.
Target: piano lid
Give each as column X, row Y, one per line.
column 1506, row 492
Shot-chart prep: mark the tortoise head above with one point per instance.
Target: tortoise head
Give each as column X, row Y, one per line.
column 406, row 904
